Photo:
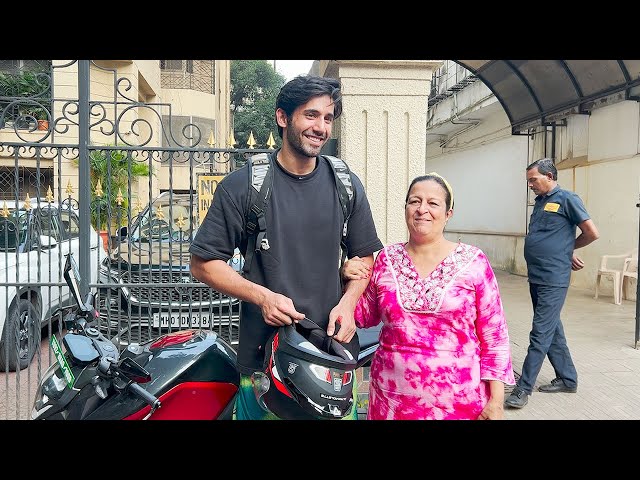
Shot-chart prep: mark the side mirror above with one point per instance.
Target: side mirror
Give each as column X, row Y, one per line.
column 133, row 371
column 72, row 277
column 123, row 232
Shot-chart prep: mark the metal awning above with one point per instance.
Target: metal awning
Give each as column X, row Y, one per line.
column 540, row 92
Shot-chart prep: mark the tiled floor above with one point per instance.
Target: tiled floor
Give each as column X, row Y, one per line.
column 601, row 337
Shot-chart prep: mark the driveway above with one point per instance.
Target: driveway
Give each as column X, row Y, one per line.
column 17, row 389
column 600, row 336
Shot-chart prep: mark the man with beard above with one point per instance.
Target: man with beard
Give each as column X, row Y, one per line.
column 297, row 274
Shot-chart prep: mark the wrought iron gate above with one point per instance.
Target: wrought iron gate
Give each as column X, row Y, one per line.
column 108, row 179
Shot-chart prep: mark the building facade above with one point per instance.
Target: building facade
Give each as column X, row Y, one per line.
column 471, row 140
column 154, row 103
column 405, row 118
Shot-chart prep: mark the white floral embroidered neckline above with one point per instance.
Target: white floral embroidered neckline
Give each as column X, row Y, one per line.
column 425, row 294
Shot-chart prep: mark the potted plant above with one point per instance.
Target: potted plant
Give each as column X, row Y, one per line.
column 29, row 94
column 109, row 173
column 41, row 115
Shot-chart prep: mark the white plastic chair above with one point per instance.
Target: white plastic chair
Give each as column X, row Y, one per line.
column 629, row 270
column 615, row 275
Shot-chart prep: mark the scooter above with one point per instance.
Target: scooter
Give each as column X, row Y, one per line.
column 183, row 375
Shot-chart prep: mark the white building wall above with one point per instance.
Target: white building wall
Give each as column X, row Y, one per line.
column 597, row 157
column 613, row 132
column 485, row 167
column 489, row 186
column 599, row 161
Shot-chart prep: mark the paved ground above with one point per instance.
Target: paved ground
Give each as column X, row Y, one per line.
column 601, row 337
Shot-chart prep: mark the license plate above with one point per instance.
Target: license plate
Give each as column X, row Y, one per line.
column 181, row 320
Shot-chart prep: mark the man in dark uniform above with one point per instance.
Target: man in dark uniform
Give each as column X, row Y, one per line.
column 549, row 252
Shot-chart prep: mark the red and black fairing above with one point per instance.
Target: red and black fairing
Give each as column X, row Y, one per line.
column 193, row 373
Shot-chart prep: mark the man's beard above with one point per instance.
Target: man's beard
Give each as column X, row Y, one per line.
column 295, row 141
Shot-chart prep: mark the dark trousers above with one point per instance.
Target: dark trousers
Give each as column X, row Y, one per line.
column 547, row 338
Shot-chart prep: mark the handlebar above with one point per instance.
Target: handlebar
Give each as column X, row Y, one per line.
column 79, row 322
column 144, row 395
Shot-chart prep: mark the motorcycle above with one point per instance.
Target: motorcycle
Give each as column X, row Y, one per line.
column 183, row 375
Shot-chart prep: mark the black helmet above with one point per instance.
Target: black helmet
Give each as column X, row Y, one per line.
column 309, row 367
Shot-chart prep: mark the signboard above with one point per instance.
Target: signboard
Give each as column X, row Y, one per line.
column 207, row 183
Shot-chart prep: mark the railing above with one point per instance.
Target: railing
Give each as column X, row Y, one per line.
column 105, row 177
column 448, row 79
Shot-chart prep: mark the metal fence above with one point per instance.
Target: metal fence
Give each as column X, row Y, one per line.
column 62, row 191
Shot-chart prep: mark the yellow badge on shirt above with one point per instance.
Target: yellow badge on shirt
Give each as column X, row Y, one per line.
column 551, row 207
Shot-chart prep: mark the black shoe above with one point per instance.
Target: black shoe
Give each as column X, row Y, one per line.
column 557, row 385
column 517, row 399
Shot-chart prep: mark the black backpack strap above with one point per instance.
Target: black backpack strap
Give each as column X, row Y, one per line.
column 344, row 185
column 260, row 183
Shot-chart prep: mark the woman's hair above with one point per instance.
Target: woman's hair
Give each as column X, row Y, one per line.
column 440, row 180
column 301, row 89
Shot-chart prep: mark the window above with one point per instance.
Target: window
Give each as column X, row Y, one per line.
column 16, row 182
column 45, row 224
column 9, row 65
column 188, row 74
column 25, row 92
column 200, row 127
column 17, row 66
column 13, row 230
column 69, row 225
column 171, row 65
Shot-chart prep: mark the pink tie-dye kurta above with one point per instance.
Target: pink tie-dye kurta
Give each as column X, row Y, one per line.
column 442, row 336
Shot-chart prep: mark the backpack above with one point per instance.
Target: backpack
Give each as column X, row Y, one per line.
column 260, row 183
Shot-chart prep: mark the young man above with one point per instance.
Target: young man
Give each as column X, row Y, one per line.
column 297, row 275
column 549, row 253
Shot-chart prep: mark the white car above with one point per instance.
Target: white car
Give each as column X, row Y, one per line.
column 34, row 242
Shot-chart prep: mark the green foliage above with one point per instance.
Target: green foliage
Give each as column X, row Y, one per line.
column 32, row 89
column 254, row 89
column 111, row 169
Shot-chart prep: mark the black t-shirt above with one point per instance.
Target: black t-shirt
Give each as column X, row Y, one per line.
column 304, row 225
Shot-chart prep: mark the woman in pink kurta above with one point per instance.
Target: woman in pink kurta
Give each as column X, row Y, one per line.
column 444, row 347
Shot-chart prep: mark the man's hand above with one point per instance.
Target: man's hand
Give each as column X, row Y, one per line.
column 576, row 263
column 343, row 315
column 343, row 312
column 278, row 310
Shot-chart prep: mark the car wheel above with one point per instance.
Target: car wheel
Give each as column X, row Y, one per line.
column 18, row 344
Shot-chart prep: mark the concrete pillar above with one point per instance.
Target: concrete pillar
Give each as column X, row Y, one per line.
column 382, row 131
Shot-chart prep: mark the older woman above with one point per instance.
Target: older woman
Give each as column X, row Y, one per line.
column 444, row 347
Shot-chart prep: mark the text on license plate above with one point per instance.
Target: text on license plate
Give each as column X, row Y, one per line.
column 181, row 320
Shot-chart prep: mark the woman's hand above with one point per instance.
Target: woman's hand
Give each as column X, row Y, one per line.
column 493, row 410
column 355, row 269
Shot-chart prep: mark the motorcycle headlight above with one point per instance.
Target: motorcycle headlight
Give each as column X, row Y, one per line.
column 51, row 388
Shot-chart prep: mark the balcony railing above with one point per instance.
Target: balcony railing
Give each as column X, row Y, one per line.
column 447, row 80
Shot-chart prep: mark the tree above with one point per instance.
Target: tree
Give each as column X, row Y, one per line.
column 254, row 89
